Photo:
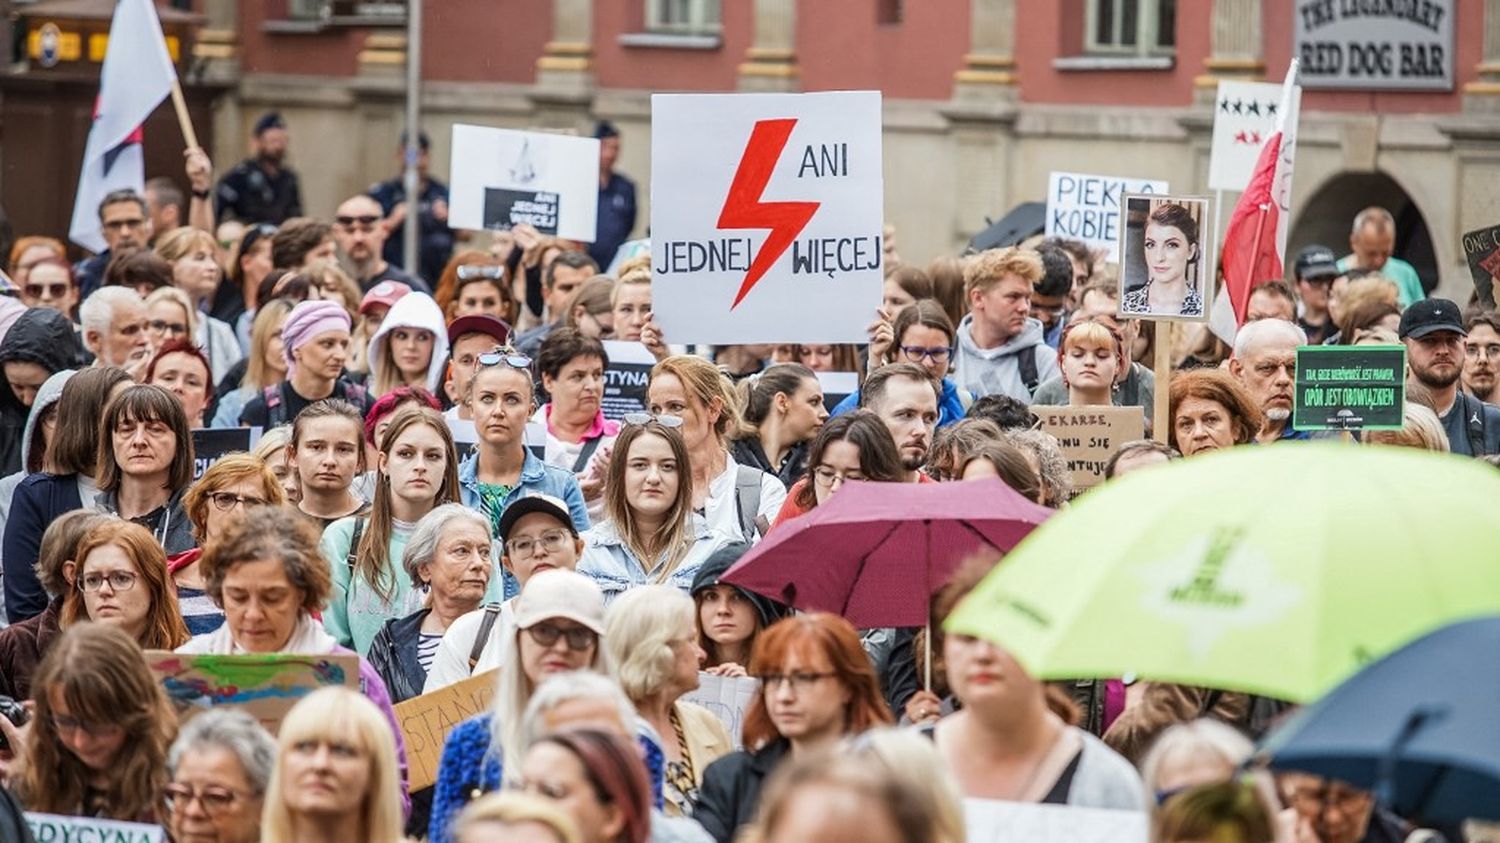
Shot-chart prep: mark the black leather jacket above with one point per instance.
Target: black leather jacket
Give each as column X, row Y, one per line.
column 393, row 654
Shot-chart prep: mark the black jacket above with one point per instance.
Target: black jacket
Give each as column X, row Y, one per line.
column 717, row 564
column 42, row 336
column 393, row 654
column 749, row 451
column 37, row 502
column 730, row 796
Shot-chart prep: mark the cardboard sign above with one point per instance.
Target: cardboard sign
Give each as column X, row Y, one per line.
column 992, row 821
column 212, row 444
column 426, row 721
column 1350, row 387
column 1159, row 252
column 766, row 216
column 502, row 178
column 1405, row 46
column 1482, row 252
column 625, row 378
column 1087, row 208
column 1244, row 116
column 466, row 438
column 728, row 698
column 51, row 828
column 837, row 386
column 264, row 685
column 1088, row 436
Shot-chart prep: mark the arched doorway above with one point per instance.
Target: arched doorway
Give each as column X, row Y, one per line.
column 1328, row 215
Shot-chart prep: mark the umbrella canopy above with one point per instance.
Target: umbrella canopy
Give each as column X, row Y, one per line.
column 1418, row 726
column 1274, row 570
column 1024, row 220
column 875, row 552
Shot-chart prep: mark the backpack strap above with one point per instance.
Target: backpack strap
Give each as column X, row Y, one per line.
column 359, row 530
column 486, row 625
column 585, row 453
column 275, row 409
column 747, row 502
column 1026, row 360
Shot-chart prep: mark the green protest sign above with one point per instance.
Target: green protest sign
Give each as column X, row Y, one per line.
column 1350, row 387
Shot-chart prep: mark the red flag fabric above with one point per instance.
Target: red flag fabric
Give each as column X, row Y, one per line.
column 1250, row 252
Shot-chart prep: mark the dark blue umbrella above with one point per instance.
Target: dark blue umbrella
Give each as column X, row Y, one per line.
column 1420, row 727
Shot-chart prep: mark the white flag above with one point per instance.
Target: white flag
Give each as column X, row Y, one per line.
column 136, row 77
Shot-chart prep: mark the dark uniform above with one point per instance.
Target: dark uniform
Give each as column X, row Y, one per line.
column 434, row 237
column 251, row 195
column 616, row 219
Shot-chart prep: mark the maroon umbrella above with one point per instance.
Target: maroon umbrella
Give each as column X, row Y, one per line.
column 876, row 552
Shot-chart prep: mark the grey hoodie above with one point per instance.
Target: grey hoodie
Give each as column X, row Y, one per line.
column 46, row 396
column 988, row 371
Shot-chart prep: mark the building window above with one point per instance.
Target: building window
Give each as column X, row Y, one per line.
column 890, row 12
column 683, row 17
column 1131, row 27
column 352, row 12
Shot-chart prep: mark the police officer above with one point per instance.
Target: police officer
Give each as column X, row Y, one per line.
column 434, row 237
column 261, row 189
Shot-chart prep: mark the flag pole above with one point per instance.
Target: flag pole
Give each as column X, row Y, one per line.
column 183, row 120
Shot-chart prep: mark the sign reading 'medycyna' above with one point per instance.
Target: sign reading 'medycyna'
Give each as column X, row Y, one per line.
column 1403, row 45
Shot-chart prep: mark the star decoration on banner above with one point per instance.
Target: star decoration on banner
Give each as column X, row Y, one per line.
column 1239, row 107
column 1271, row 109
column 1252, row 107
column 1224, row 106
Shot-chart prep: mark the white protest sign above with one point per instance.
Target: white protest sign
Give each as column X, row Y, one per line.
column 625, row 378
column 1087, row 208
column 766, row 216
column 837, row 386
column 52, row 828
column 727, row 698
column 991, row 821
column 501, row 178
column 1400, row 46
column 1244, row 116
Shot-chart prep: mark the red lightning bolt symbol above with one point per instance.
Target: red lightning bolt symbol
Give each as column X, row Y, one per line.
column 743, row 208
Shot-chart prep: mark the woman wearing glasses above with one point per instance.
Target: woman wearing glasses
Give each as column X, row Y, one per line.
column 100, row 731
column 221, row 496
column 120, row 579
column 220, row 766
column 854, row 446
column 921, row 334
column 447, row 559
column 783, row 410
column 146, row 464
column 817, row 686
column 558, row 621
column 502, row 469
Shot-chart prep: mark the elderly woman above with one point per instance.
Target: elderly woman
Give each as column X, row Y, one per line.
column 652, row 636
column 266, row 574
column 1210, row 410
column 1190, row 754
column 447, row 558
column 220, row 766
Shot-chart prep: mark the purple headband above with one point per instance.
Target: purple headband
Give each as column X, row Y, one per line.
column 307, row 320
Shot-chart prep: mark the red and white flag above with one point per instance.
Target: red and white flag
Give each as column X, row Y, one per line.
column 1255, row 240
column 137, row 75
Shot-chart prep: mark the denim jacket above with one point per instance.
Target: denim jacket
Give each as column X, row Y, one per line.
column 536, row 476
column 613, row 567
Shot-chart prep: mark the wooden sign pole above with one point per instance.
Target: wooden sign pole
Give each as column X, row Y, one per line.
column 1161, row 410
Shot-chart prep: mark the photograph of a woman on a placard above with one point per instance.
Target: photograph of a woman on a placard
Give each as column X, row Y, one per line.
column 1163, row 259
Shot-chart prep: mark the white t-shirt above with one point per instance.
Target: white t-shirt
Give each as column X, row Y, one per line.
column 722, row 510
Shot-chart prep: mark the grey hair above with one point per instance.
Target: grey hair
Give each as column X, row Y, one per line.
column 1196, row 738
column 1373, row 214
column 98, row 310
column 235, row 731
column 1057, row 481
column 566, row 687
column 423, row 544
column 1265, row 329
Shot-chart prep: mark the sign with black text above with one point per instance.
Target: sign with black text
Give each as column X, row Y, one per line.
column 625, row 378
column 1087, row 208
column 767, row 217
column 1089, row 436
column 1396, row 45
column 503, row 178
column 1350, row 387
column 1482, row 252
column 53, row 828
column 211, row 443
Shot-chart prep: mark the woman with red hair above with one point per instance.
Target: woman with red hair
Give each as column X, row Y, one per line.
column 817, row 686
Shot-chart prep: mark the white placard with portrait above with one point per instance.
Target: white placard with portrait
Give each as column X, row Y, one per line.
column 1167, row 257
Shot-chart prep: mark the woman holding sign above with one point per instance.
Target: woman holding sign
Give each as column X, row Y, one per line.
column 1172, row 257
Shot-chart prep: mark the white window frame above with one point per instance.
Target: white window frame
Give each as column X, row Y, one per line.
column 704, row 17
column 1148, row 15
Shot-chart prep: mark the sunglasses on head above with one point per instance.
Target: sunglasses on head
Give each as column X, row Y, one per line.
column 473, row 271
column 636, row 419
column 508, row 356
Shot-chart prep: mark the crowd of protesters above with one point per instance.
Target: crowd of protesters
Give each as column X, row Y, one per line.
column 589, row 569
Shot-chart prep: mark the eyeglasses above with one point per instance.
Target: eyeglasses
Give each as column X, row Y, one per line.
column 504, row 355
column 800, row 681
column 1314, row 802
column 118, row 581
column 215, row 800
column 51, row 291
column 636, row 419
column 579, row 638
column 551, row 541
column 916, row 353
column 226, row 501
column 365, row 222
column 161, row 327
column 828, row 478
column 1473, row 352
column 472, row 271
column 65, row 725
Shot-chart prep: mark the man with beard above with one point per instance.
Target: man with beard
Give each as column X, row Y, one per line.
column 361, row 236
column 1434, row 335
column 126, row 226
column 1265, row 361
column 1481, row 356
column 261, row 189
column 905, row 397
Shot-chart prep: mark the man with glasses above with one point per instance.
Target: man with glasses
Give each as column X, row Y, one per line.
column 1482, row 357
column 536, row 534
column 1434, row 336
column 1265, row 361
column 360, row 233
column 126, row 227
column 434, row 237
column 116, row 330
column 262, row 188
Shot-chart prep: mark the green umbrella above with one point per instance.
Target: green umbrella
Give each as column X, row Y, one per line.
column 1272, row 570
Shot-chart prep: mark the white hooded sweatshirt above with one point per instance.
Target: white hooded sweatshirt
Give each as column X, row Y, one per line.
column 419, row 311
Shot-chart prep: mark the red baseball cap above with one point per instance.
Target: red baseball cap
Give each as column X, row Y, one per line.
column 478, row 323
column 386, row 293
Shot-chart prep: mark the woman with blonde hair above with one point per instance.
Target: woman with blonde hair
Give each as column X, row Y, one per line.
column 170, row 315
column 101, row 729
column 410, row 348
column 1091, row 356
column 911, row 760
column 272, row 449
column 120, row 579
column 514, row 816
column 1420, row 429
column 194, row 256
column 336, row 776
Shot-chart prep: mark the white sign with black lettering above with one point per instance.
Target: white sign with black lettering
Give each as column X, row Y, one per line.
column 502, row 178
column 1395, row 45
column 1085, row 207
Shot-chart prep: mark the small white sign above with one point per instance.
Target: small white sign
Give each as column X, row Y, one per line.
column 1402, row 46
column 1086, row 207
column 1244, row 116
column 766, row 216
column 727, row 698
column 53, row 828
column 501, row 178
column 992, row 821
